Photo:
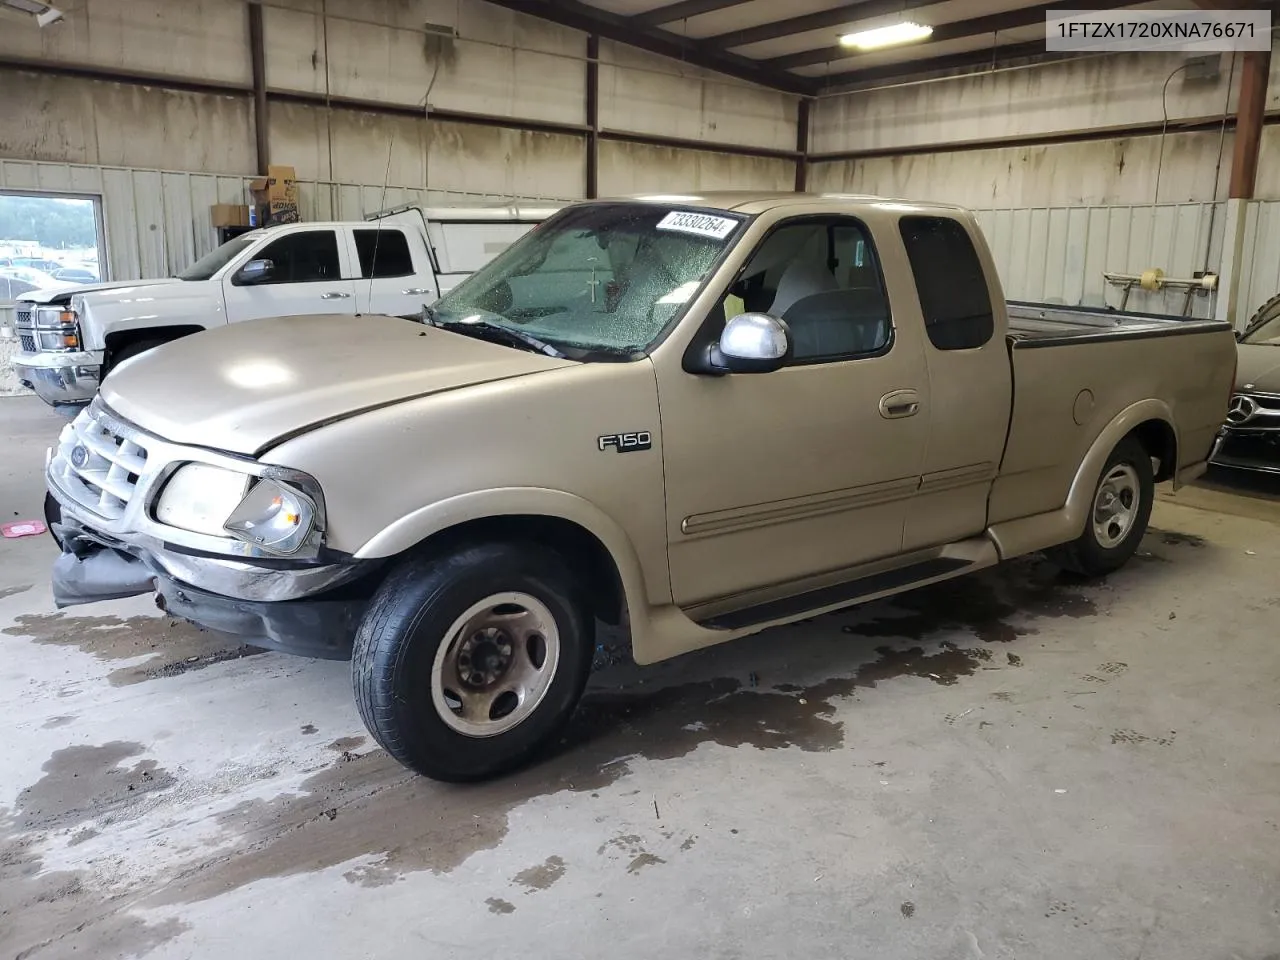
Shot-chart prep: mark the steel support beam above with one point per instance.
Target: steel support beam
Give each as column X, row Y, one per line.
column 593, row 116
column 611, row 26
column 842, row 16
column 803, row 111
column 1250, row 110
column 956, row 30
column 683, row 11
column 258, row 57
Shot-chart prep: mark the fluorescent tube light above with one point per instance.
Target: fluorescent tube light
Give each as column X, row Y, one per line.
column 889, row 36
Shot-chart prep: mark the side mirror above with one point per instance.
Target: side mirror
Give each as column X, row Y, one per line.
column 255, row 271
column 750, row 343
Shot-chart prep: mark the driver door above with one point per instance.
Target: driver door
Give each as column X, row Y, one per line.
column 307, row 277
column 777, row 477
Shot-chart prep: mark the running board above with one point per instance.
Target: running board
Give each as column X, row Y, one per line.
column 877, row 583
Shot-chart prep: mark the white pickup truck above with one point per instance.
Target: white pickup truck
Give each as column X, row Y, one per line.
column 396, row 262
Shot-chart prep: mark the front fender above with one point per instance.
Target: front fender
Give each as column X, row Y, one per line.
column 144, row 308
column 514, row 501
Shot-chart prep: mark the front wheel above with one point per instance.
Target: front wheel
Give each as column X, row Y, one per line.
column 1118, row 515
column 465, row 665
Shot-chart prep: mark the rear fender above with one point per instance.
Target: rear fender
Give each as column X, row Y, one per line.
column 1014, row 538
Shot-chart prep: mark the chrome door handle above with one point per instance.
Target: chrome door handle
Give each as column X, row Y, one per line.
column 899, row 404
column 334, row 295
column 415, row 292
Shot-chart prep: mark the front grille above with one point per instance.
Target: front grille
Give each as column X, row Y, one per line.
column 25, row 316
column 28, row 343
column 1250, row 447
column 98, row 463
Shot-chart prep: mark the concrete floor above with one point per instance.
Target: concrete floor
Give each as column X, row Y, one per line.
column 1010, row 765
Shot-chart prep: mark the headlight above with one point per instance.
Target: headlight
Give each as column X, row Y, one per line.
column 267, row 513
column 273, row 515
column 57, row 328
column 200, row 498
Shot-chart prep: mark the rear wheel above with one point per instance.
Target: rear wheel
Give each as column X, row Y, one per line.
column 466, row 665
column 1118, row 514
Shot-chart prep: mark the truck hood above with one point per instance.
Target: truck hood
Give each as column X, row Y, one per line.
column 1258, row 367
column 244, row 387
column 65, row 291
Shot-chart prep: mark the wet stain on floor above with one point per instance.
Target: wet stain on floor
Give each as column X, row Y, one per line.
column 987, row 604
column 54, row 722
column 347, row 744
column 542, row 877
column 498, row 905
column 84, row 783
column 643, row 860
column 1171, row 538
column 40, row 910
column 367, row 806
column 174, row 647
column 14, row 591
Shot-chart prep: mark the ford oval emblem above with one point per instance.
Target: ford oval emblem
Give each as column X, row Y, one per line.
column 79, row 456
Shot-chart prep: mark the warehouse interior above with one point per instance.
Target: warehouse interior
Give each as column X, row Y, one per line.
column 1020, row 762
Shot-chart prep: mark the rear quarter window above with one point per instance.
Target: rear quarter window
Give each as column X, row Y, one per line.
column 950, row 282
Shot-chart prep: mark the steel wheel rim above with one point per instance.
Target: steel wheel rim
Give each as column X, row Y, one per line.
column 496, row 664
column 1115, row 506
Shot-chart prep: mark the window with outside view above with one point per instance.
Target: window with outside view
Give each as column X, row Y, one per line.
column 46, row 240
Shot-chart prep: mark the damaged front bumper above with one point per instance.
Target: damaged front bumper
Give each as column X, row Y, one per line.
column 321, row 623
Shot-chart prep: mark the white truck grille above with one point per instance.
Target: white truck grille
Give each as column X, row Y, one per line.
column 98, row 466
column 26, row 322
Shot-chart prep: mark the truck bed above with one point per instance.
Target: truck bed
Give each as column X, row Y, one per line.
column 1047, row 324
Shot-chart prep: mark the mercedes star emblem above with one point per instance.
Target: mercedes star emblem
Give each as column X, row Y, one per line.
column 1241, row 410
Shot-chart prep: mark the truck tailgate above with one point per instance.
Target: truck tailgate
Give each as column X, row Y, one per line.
column 1075, row 370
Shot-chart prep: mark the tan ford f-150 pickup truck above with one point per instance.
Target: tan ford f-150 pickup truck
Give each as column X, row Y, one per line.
column 697, row 416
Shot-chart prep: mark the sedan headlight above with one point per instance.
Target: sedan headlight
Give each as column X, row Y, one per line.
column 273, row 515
column 267, row 513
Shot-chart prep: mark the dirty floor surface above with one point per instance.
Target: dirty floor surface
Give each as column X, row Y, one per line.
column 1006, row 766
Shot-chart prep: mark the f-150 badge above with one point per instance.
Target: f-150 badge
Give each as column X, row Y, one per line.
column 627, row 442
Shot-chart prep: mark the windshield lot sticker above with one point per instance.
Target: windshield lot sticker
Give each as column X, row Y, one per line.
column 699, row 224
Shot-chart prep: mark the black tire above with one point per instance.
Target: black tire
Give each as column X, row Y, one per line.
column 1086, row 555
column 52, row 516
column 129, row 351
column 404, row 627
column 1268, row 311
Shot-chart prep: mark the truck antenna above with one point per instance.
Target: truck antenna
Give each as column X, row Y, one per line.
column 382, row 207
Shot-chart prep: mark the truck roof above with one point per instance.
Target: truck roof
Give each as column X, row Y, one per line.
column 755, row 202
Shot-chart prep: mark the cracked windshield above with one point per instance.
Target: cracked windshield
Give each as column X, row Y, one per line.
column 599, row 279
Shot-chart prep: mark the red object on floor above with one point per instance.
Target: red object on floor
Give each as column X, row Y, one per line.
column 23, row 528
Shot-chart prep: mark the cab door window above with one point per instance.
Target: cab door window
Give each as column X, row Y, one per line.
column 821, row 276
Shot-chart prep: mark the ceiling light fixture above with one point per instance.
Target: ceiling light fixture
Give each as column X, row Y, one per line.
column 44, row 14
column 892, row 35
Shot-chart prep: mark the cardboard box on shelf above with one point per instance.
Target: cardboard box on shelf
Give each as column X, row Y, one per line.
column 280, row 184
column 229, row 215
column 276, row 211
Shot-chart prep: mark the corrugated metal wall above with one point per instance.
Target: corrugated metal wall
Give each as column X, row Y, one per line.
column 1059, row 254
column 1260, row 265
column 157, row 222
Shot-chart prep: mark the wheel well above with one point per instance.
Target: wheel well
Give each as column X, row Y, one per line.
column 584, row 554
column 1161, row 444
column 115, row 342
